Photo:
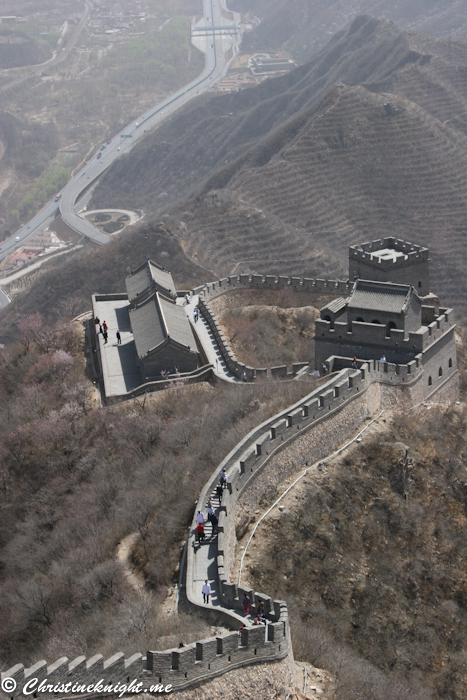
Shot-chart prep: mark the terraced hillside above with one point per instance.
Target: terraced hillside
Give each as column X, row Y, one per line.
column 300, row 167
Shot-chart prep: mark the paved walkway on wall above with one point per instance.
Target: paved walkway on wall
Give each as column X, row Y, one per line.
column 205, row 560
column 120, row 369
column 207, row 340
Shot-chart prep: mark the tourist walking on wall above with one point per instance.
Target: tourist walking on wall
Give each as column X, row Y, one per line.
column 214, row 523
column 206, row 592
column 106, row 335
column 224, row 478
column 209, row 510
column 246, row 604
column 219, row 489
column 97, row 321
column 119, row 338
column 101, row 329
column 200, row 518
column 104, row 326
column 200, row 532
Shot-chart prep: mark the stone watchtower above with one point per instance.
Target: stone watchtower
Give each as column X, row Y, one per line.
column 391, row 260
column 390, row 316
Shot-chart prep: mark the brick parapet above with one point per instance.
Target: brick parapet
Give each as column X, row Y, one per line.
column 364, row 252
column 360, row 333
column 215, row 289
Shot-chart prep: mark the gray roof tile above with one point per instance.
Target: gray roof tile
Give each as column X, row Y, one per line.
column 156, row 319
column 380, row 296
column 336, row 305
column 177, row 323
column 147, row 277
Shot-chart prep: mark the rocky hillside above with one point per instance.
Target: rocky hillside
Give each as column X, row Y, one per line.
column 300, row 167
column 370, row 554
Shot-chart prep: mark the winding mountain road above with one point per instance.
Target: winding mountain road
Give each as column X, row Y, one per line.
column 216, row 65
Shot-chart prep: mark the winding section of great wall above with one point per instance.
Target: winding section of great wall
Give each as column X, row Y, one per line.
column 329, row 416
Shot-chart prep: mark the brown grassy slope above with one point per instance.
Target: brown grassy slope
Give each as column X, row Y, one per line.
column 266, row 336
column 354, row 173
column 230, row 235
column 268, row 328
column 373, row 553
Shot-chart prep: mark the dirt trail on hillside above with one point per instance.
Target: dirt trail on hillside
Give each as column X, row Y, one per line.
column 123, row 555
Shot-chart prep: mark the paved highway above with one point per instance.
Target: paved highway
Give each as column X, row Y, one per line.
column 214, row 69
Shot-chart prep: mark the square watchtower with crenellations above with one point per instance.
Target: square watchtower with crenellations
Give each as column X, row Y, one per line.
column 391, row 260
column 390, row 316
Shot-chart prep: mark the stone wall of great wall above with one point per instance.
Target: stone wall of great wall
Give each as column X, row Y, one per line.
column 262, row 282
column 212, row 290
column 319, row 422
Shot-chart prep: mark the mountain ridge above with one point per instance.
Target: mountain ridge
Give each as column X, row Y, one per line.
column 319, row 156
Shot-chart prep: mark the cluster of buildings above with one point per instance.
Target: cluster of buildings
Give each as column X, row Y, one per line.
column 156, row 337
column 105, row 19
column 163, row 335
column 260, row 67
column 40, row 244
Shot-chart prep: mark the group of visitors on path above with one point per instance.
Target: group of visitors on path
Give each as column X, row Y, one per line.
column 212, row 518
column 260, row 617
column 103, row 330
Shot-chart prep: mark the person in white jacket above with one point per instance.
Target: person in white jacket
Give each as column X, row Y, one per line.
column 206, row 592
